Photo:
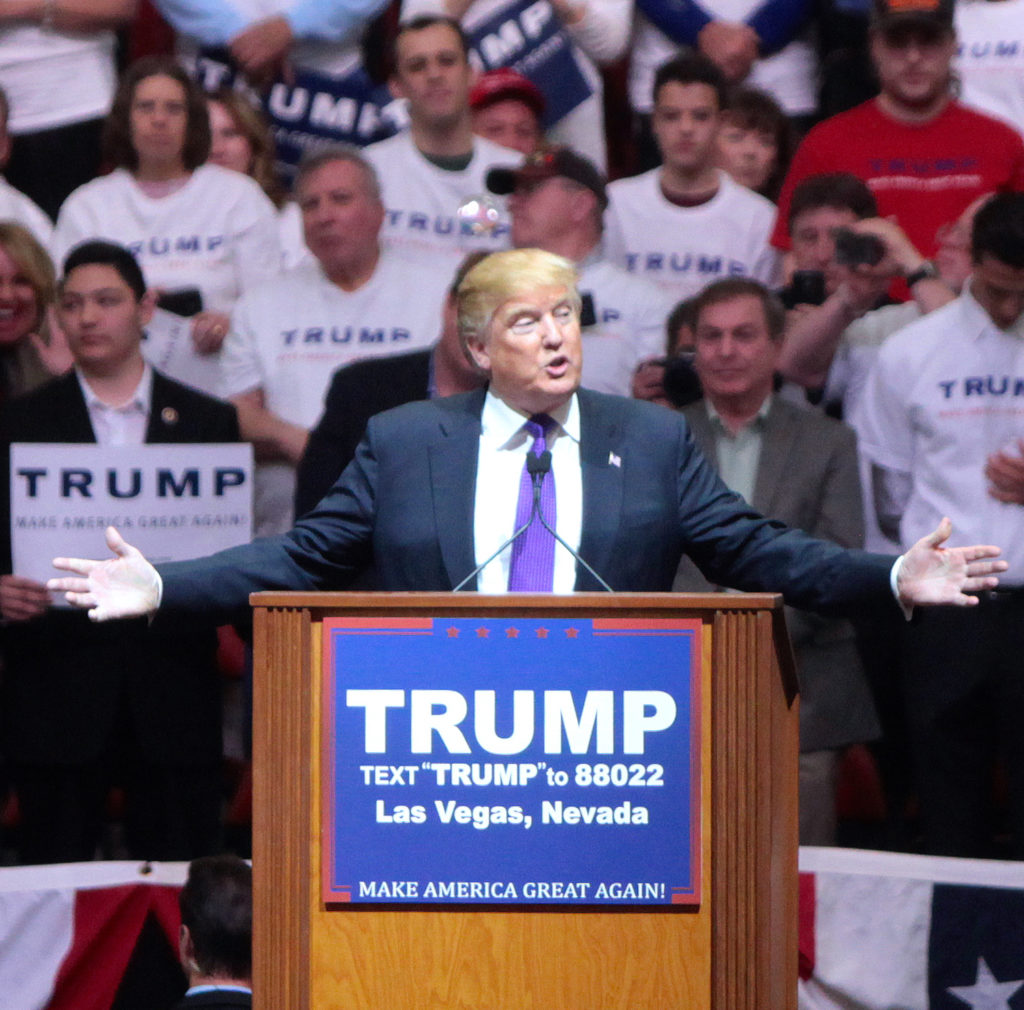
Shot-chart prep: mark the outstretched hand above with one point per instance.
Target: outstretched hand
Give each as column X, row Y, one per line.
column 126, row 585
column 932, row 574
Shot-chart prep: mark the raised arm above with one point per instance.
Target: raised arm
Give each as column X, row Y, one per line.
column 599, row 27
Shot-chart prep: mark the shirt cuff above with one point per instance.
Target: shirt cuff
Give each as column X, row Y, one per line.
column 894, row 578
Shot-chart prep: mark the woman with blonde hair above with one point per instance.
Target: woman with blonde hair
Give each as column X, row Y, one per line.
column 32, row 348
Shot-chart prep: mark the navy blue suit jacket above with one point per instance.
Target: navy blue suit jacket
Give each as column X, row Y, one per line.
column 405, row 505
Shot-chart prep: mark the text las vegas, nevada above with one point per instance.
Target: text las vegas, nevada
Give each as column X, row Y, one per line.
column 615, row 723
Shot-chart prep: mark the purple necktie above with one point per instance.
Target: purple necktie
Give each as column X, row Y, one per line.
column 532, row 569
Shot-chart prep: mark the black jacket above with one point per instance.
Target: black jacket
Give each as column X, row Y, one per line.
column 66, row 680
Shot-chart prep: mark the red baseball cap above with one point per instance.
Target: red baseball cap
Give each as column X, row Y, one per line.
column 505, row 83
column 936, row 15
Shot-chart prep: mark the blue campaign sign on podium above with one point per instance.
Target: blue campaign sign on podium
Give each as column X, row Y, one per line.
column 511, row 760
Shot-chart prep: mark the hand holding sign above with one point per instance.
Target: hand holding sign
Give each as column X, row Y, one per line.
column 732, row 45
column 262, row 49
column 209, row 330
column 126, row 585
column 22, row 599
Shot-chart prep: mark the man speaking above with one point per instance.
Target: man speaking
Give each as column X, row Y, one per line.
column 437, row 487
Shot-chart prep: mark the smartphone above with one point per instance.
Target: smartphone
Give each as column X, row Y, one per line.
column 182, row 302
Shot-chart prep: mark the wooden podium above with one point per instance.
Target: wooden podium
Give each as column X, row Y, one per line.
column 736, row 951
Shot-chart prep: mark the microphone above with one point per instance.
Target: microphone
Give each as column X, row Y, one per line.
column 537, row 466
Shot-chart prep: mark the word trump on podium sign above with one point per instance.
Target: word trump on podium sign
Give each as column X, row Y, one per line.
column 511, row 760
column 171, row 501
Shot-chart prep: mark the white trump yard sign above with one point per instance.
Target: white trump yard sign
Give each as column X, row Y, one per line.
column 171, row 501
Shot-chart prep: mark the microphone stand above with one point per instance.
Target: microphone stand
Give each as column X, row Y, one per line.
column 537, row 466
column 534, row 512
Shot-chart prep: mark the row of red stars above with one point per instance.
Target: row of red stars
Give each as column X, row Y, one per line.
column 513, row 632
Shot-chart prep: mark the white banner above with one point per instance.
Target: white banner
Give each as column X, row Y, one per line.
column 171, row 501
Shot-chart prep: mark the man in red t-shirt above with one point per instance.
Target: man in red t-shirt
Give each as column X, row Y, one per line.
column 923, row 154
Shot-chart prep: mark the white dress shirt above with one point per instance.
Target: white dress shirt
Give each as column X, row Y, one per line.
column 502, row 456
column 126, row 423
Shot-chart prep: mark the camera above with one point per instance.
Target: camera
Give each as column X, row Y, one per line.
column 806, row 288
column 858, row 249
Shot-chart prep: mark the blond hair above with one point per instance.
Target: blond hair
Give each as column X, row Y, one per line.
column 504, row 275
column 33, row 261
column 24, row 369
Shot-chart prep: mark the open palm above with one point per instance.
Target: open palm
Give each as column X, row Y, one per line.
column 931, row 574
column 125, row 585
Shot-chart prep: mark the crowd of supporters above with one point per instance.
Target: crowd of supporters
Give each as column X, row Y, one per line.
column 303, row 190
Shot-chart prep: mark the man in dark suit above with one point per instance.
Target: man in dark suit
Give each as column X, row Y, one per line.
column 364, row 388
column 78, row 700
column 216, row 934
column 436, row 487
column 795, row 465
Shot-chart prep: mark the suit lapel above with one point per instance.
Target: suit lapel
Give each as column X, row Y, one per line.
column 164, row 418
column 70, row 416
column 453, row 459
column 602, row 465
column 780, row 431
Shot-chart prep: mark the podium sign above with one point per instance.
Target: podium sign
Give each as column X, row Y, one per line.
column 511, row 760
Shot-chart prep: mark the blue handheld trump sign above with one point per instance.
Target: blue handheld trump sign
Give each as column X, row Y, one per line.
column 512, row 760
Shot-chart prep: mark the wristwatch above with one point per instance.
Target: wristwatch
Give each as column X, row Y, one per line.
column 925, row 271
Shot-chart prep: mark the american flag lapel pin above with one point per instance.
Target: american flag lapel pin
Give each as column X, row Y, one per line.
column 614, row 460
